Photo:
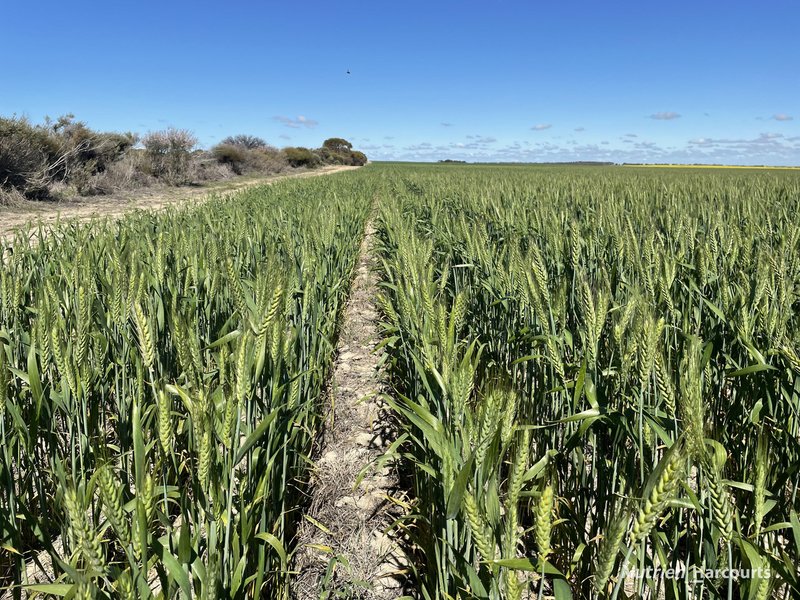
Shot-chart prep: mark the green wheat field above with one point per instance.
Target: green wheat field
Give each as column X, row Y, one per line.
column 593, row 374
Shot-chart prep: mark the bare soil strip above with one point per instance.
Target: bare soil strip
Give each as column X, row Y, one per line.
column 343, row 547
column 115, row 205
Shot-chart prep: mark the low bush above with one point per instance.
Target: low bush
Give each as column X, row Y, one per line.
column 36, row 158
column 205, row 168
column 248, row 154
column 301, row 157
column 24, row 156
column 236, row 157
column 268, row 160
column 358, row 159
column 168, row 153
column 65, row 157
column 127, row 173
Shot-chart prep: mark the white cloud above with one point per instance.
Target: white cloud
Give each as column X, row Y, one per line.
column 665, row 116
column 300, row 121
column 481, row 139
column 541, row 127
column 782, row 117
column 768, row 148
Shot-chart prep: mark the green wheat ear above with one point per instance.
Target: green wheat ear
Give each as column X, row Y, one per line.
column 662, row 489
column 609, row 550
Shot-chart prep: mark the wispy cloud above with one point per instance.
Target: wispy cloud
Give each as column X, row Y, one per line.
column 300, row 121
column 665, row 116
column 580, row 129
column 446, row 124
column 481, row 139
column 782, row 117
column 766, row 148
column 283, row 136
column 764, row 139
column 541, row 127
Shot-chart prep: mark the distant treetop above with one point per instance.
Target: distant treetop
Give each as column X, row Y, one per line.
column 337, row 145
column 250, row 142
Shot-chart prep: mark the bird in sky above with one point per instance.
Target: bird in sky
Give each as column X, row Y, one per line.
column 348, row 71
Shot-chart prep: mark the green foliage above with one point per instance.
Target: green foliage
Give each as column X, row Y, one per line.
column 338, row 151
column 301, row 157
column 358, row 159
column 233, row 155
column 337, row 146
column 588, row 365
column 161, row 381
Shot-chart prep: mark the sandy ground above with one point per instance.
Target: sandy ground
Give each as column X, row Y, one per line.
column 90, row 207
column 343, row 548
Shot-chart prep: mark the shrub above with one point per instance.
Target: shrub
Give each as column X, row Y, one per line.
column 127, row 173
column 168, row 153
column 24, row 157
column 236, row 157
column 263, row 159
column 242, row 140
column 205, row 167
column 34, row 159
column 268, row 160
column 301, row 157
column 358, row 159
column 10, row 196
column 329, row 157
column 77, row 152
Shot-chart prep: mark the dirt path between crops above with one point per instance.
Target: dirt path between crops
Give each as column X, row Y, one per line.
column 343, row 548
column 85, row 208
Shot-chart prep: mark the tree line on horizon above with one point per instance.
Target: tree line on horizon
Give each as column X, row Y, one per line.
column 65, row 157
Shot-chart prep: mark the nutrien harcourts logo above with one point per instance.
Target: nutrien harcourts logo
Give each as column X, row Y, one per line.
column 696, row 574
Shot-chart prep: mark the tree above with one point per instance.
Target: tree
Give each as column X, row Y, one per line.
column 337, row 145
column 242, row 140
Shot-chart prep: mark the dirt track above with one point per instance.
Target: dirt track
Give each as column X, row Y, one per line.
column 90, row 207
column 353, row 499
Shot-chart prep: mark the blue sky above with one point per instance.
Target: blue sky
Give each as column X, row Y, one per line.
column 639, row 81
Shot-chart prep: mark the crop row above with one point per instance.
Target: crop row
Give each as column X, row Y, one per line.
column 160, row 385
column 597, row 375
